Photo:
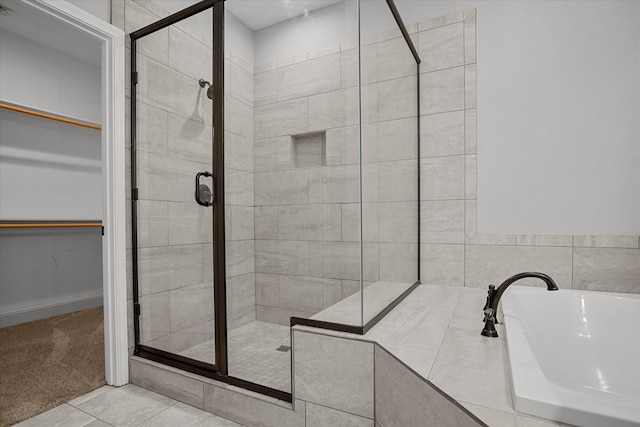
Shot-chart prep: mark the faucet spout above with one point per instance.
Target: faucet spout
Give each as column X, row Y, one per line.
column 494, row 294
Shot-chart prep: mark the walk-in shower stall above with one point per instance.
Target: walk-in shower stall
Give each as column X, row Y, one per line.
column 275, row 179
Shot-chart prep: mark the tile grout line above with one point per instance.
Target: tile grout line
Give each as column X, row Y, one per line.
column 464, row 210
column 573, row 251
column 375, row 415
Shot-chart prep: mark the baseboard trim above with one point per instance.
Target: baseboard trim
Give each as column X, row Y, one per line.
column 48, row 310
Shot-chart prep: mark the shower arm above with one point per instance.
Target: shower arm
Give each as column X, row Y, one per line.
column 203, row 83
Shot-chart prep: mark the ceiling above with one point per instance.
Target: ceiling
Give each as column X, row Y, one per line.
column 29, row 23
column 32, row 24
column 256, row 14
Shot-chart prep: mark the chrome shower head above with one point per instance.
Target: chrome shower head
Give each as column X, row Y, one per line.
column 203, row 83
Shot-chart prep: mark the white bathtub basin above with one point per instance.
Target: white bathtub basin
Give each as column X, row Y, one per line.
column 574, row 355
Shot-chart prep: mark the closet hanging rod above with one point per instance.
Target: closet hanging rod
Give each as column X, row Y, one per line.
column 50, row 224
column 48, row 116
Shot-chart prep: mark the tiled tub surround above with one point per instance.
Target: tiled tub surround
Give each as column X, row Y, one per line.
column 424, row 364
column 427, row 353
column 453, row 253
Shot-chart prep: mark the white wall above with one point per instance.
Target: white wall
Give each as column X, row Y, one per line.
column 558, row 128
column 48, row 170
column 48, row 272
column 34, row 75
column 558, row 108
column 239, row 39
column 99, row 8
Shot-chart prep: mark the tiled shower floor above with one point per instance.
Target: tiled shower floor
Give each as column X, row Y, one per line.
column 252, row 354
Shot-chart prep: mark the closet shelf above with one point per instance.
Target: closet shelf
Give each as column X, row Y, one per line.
column 47, row 115
column 49, row 224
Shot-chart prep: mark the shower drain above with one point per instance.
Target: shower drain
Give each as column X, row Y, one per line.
column 283, row 348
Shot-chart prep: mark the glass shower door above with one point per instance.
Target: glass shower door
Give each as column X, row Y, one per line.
column 172, row 154
column 291, row 175
column 315, row 161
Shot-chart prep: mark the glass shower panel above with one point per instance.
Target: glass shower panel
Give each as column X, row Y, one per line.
column 389, row 151
column 173, row 161
column 291, row 175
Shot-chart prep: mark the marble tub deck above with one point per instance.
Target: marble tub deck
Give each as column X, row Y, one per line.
column 435, row 331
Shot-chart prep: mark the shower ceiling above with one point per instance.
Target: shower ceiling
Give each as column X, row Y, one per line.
column 253, row 12
column 256, row 17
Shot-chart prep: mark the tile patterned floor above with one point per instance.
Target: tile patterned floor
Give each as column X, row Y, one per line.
column 126, row 406
column 253, row 355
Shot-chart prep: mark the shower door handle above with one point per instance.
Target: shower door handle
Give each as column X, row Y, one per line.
column 204, row 195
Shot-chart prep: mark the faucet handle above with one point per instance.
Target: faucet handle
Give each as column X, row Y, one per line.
column 490, row 292
column 489, row 324
column 489, row 315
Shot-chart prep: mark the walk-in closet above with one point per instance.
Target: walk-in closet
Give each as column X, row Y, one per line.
column 51, row 180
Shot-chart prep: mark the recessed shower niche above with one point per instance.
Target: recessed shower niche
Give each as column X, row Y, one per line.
column 313, row 214
column 309, row 149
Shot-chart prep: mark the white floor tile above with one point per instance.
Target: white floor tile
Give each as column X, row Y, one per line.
column 60, row 416
column 181, row 415
column 129, row 405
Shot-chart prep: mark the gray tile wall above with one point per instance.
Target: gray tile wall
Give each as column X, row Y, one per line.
column 334, row 372
column 452, row 252
column 240, row 191
column 419, row 403
column 307, row 217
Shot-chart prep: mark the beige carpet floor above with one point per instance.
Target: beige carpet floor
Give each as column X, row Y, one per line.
column 49, row 362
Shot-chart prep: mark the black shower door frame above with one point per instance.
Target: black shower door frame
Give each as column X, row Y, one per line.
column 220, row 370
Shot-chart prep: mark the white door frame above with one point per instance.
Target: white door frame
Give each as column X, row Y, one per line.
column 113, row 179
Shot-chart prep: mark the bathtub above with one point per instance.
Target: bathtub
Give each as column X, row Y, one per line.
column 574, row 355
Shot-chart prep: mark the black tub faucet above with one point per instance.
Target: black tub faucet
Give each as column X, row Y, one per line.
column 493, row 298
